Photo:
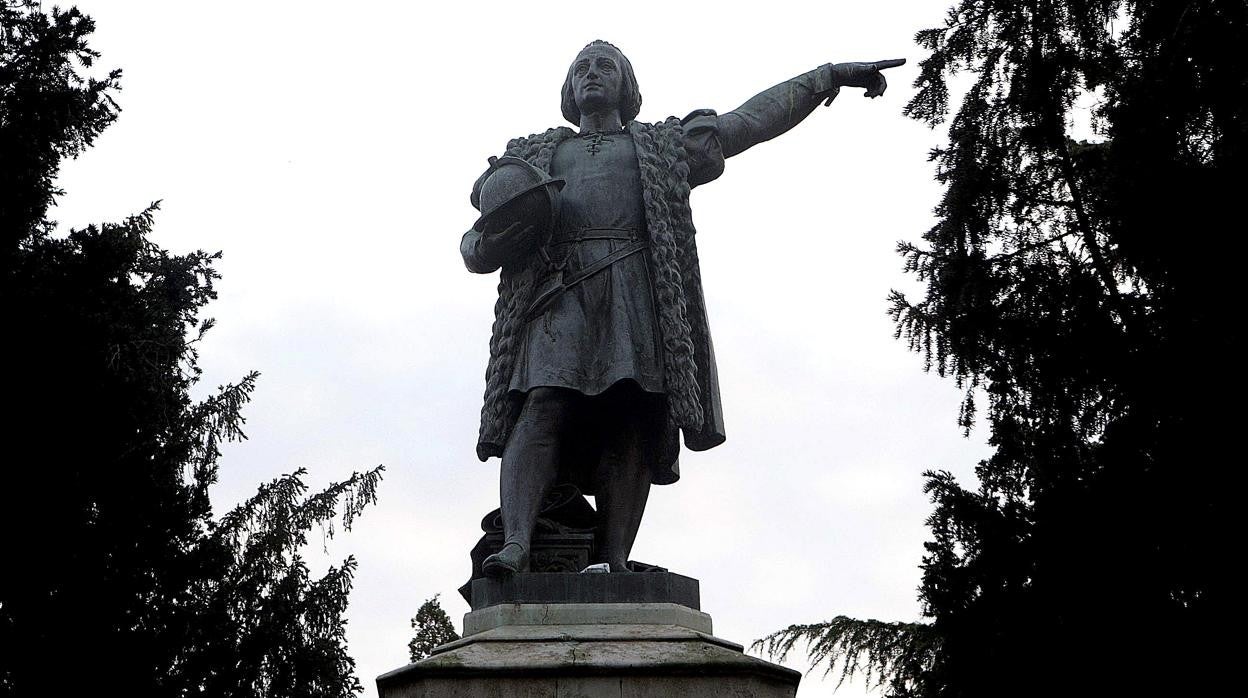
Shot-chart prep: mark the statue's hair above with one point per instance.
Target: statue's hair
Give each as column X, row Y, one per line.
column 630, row 94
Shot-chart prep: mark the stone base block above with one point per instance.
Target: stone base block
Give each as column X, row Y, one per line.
column 599, row 687
column 589, row 650
column 613, row 588
column 577, row 614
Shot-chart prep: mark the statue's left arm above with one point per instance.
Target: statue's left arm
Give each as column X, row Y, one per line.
column 780, row 108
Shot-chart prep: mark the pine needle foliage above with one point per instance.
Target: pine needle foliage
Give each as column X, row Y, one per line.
column 878, row 651
column 116, row 577
column 49, row 110
column 1081, row 286
column 433, row 629
column 271, row 629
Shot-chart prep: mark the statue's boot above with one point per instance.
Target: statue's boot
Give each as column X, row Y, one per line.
column 511, row 559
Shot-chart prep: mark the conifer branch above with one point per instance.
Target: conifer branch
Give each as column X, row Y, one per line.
column 879, row 651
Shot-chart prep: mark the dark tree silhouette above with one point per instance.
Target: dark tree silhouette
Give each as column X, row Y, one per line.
column 116, row 578
column 48, row 110
column 1086, row 290
column 433, row 628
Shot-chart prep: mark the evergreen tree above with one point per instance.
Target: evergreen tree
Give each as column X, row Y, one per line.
column 1083, row 288
column 433, row 629
column 48, row 111
column 262, row 626
column 116, row 577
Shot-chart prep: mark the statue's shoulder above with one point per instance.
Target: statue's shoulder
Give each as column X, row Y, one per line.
column 525, row 146
column 648, row 126
column 670, row 129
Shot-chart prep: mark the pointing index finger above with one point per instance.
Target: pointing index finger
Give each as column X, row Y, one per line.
column 890, row 63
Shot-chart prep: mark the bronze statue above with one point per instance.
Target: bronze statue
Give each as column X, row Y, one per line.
column 600, row 351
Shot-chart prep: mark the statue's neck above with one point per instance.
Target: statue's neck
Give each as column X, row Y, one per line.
column 601, row 122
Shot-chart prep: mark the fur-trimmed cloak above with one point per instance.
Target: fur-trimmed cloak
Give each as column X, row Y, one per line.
column 690, row 379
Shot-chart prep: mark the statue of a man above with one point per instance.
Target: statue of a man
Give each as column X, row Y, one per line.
column 600, row 352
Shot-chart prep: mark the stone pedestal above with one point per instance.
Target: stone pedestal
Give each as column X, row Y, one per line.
column 644, row 646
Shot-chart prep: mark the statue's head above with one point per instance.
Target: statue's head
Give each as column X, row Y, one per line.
column 600, row 78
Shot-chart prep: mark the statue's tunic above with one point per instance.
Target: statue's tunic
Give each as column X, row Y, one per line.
column 604, row 329
column 643, row 318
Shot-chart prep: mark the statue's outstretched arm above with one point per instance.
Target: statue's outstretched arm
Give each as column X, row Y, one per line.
column 778, row 109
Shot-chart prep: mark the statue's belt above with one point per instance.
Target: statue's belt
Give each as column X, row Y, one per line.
column 563, row 237
column 562, row 281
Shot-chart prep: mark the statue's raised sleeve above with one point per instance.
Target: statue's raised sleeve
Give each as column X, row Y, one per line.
column 775, row 110
column 702, row 146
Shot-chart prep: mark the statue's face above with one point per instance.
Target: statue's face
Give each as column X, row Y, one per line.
column 596, row 79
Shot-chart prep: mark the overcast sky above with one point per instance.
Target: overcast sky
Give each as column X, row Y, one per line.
column 328, row 149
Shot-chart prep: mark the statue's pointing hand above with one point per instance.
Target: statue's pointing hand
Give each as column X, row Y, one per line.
column 866, row 75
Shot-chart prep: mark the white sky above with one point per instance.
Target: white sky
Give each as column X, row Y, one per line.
column 328, row 149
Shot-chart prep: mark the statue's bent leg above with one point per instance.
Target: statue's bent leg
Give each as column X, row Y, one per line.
column 623, row 485
column 530, row 466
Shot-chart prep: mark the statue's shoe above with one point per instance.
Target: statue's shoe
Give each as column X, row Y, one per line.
column 511, row 559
